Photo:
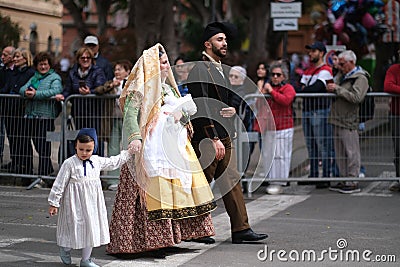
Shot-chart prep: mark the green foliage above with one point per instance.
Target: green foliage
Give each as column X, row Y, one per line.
column 193, row 33
column 9, row 32
column 191, row 29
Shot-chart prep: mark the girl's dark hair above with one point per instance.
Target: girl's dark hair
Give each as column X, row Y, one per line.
column 84, row 139
column 43, row 56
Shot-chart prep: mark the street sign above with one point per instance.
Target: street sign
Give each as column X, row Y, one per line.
column 285, row 24
column 286, row 10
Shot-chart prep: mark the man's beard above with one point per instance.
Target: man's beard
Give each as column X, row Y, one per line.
column 217, row 52
column 314, row 60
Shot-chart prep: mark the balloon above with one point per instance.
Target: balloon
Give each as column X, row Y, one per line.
column 338, row 26
column 344, row 37
column 368, row 21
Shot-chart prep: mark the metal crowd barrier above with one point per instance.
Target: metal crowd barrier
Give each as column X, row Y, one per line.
column 376, row 146
column 97, row 111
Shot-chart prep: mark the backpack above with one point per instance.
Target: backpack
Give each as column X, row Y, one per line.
column 367, row 107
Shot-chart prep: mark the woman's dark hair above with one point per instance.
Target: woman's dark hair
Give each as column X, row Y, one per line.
column 266, row 66
column 43, row 56
column 179, row 58
column 126, row 64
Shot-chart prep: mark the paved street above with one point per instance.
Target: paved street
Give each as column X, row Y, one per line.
column 302, row 219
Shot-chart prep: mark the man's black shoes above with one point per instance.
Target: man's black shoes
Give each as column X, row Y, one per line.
column 247, row 235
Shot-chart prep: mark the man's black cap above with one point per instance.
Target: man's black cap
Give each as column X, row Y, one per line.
column 217, row 27
column 317, row 45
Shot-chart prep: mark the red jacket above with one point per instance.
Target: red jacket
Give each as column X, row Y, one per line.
column 280, row 104
column 392, row 85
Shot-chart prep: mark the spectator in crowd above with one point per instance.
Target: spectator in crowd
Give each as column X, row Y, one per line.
column 92, row 42
column 40, row 111
column 317, row 131
column 112, row 118
column 65, row 65
column 181, row 73
column 16, row 127
column 280, row 103
column 215, row 121
column 237, row 77
column 82, row 80
column 351, row 89
column 392, row 85
column 160, row 200
column 6, row 69
column 262, row 79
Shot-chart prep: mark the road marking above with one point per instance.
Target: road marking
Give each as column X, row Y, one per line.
column 259, row 209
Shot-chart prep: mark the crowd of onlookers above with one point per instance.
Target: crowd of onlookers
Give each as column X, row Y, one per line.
column 41, row 85
column 330, row 125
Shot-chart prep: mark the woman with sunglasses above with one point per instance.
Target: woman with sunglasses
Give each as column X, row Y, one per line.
column 280, row 103
column 82, row 79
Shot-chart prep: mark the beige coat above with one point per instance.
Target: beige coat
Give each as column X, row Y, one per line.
column 350, row 93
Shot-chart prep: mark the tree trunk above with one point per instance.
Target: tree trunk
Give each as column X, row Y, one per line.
column 76, row 14
column 103, row 7
column 154, row 23
column 259, row 21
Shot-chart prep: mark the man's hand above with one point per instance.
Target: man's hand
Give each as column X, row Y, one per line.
column 219, row 149
column 331, row 87
column 227, row 112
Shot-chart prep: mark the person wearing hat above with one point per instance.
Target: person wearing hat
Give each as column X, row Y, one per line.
column 77, row 197
column 92, row 42
column 214, row 121
column 317, row 131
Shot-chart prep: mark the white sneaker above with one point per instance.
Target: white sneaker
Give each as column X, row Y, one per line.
column 274, row 189
column 113, row 187
column 88, row 263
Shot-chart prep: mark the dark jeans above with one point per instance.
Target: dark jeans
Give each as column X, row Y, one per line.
column 38, row 129
column 21, row 153
column 318, row 135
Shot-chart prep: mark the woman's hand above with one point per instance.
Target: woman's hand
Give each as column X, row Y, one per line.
column 30, row 92
column 135, row 146
column 59, row 97
column 267, row 89
column 177, row 115
column 53, row 210
column 84, row 90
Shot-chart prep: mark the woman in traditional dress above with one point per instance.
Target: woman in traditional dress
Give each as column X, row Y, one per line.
column 163, row 196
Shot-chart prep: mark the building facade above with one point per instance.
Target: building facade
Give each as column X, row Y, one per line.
column 40, row 21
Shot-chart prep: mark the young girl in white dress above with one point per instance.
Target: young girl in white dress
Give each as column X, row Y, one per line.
column 77, row 197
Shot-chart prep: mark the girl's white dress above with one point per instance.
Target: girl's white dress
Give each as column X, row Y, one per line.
column 82, row 215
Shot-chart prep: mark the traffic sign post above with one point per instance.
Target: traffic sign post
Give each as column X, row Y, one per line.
column 285, row 16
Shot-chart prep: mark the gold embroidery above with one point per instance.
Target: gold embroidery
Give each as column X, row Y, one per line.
column 183, row 213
